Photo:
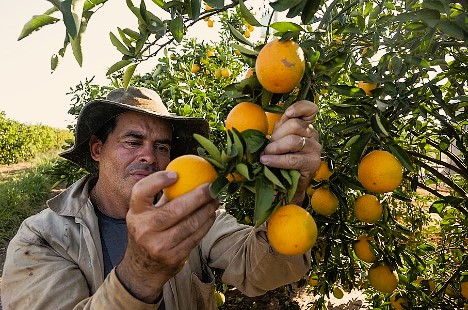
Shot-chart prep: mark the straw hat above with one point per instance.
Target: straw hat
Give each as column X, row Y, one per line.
column 97, row 112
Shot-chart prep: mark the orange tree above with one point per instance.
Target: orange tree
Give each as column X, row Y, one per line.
column 386, row 76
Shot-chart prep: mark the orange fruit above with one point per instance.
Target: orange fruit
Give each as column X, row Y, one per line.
column 280, row 66
column 310, row 190
column 382, row 278
column 192, row 171
column 399, row 302
column 195, row 68
column 210, row 54
column 218, row 73
column 272, row 118
column 247, row 34
column 338, row 292
column 291, row 230
column 313, row 281
column 249, row 73
column 225, row 72
column 367, row 87
column 208, row 7
column 250, row 27
column 323, row 173
column 323, row 201
column 380, row 172
column 367, row 209
column 235, row 176
column 363, row 250
column 237, row 52
column 210, row 23
column 247, row 115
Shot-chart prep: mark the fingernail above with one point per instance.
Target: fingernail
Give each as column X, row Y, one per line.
column 289, row 113
column 264, row 159
column 171, row 175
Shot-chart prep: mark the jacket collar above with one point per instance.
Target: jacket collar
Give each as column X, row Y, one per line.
column 72, row 201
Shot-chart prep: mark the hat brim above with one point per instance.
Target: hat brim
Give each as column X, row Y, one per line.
column 96, row 113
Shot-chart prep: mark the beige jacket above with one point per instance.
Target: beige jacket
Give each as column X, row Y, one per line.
column 55, row 262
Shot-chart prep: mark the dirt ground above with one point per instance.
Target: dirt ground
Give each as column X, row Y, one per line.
column 275, row 300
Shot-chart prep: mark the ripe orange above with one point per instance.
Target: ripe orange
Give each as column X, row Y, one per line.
column 368, row 209
column 237, row 52
column 192, row 171
column 210, row 23
column 247, row 34
column 291, row 230
column 323, row 173
column 398, row 303
column 225, row 72
column 218, row 73
column 236, row 176
column 195, row 68
column 323, row 201
column 313, row 281
column 310, row 190
column 382, row 278
column 210, row 54
column 272, row 118
column 367, row 87
column 249, row 73
column 363, row 250
column 247, row 115
column 280, row 66
column 380, row 172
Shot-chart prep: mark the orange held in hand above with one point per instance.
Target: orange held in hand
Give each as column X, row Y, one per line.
column 380, row 172
column 192, row 171
column 247, row 115
column 291, row 230
column 280, row 66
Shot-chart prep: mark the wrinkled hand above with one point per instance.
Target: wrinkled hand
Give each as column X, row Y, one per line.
column 161, row 236
column 289, row 150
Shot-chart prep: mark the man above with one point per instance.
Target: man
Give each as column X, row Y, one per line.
column 104, row 244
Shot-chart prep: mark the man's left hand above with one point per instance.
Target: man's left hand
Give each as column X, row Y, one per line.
column 294, row 145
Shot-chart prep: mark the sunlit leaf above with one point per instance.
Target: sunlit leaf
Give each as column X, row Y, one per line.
column 117, row 66
column 264, row 196
column 36, row 23
column 176, row 26
column 72, row 11
column 119, row 45
column 239, row 36
column 247, row 15
column 128, row 75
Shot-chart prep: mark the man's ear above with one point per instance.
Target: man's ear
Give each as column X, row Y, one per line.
column 95, row 146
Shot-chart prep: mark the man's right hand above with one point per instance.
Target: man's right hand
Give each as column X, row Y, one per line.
column 161, row 236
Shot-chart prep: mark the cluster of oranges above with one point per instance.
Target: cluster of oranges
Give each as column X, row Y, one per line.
column 219, row 73
column 379, row 172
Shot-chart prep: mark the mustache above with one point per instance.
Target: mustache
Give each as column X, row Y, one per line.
column 142, row 166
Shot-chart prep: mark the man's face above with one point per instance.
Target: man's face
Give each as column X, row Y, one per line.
column 138, row 146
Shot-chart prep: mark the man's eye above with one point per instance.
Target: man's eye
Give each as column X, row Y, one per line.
column 162, row 148
column 134, row 143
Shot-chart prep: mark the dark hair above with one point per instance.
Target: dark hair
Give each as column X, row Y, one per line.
column 106, row 129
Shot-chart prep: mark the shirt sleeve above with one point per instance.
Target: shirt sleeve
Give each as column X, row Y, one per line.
column 247, row 260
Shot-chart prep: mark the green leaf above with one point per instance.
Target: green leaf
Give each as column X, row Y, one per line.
column 309, row 10
column 72, row 11
column 117, row 66
column 218, row 185
column 350, row 91
column 194, row 11
column 54, row 60
column 243, row 170
column 160, row 3
column 283, row 5
column 76, row 42
column 176, row 27
column 132, row 34
column 244, row 50
column 89, row 4
column 238, row 143
column 120, row 47
column 272, row 177
column 429, row 17
column 400, row 153
column 239, row 36
column 286, row 26
column 247, row 15
column 128, row 75
column 215, row 3
column 209, row 146
column 264, row 196
column 378, row 126
column 358, row 147
column 452, row 29
column 36, row 23
column 295, row 175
